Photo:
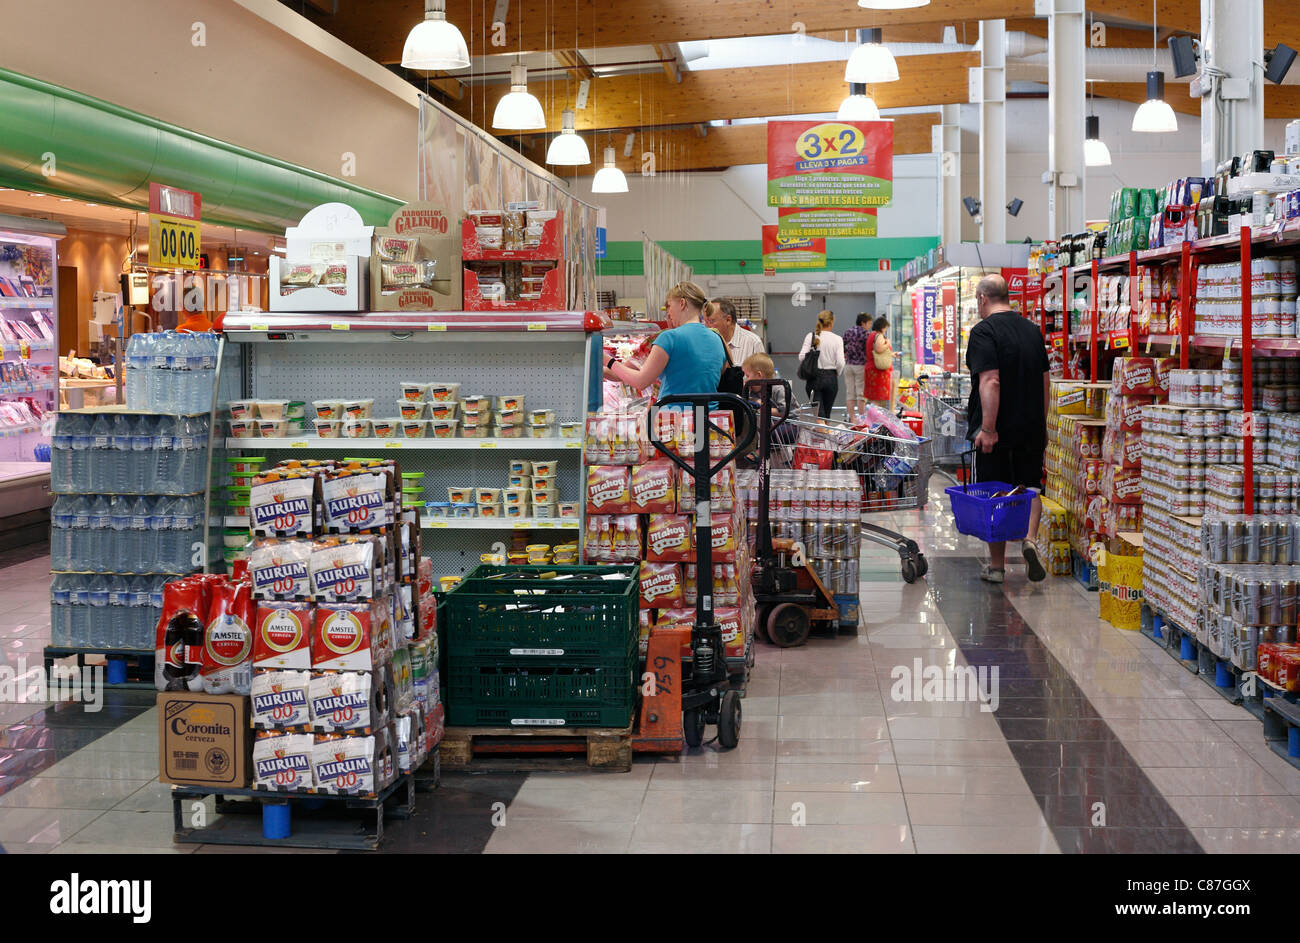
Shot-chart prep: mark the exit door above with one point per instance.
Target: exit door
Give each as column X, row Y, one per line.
column 788, row 324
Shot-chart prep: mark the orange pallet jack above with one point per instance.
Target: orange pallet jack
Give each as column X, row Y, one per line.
column 659, row 724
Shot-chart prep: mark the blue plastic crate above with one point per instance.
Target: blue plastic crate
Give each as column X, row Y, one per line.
column 978, row 514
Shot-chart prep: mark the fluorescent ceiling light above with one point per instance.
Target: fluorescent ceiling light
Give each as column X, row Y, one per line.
column 434, row 43
column 1154, row 116
column 609, row 179
column 1095, row 151
column 519, row 110
column 567, row 149
column 858, row 106
column 872, row 62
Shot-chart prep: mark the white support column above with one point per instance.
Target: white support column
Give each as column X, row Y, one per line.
column 1232, row 40
column 989, row 88
column 1066, row 101
column 945, row 140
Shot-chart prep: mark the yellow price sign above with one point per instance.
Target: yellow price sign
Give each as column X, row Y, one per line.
column 536, row 326
column 173, row 242
column 573, row 445
column 260, row 327
column 487, row 445
column 437, row 327
column 437, row 523
column 298, row 445
column 340, row 326
column 392, row 445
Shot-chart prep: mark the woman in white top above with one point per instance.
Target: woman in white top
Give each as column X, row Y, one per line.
column 825, row 387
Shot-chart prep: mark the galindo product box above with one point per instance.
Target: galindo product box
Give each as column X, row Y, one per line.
column 415, row 263
column 203, row 739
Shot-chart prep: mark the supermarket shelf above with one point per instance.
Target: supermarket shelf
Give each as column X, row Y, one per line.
column 345, row 445
column 442, row 326
column 115, row 408
column 27, row 304
column 8, row 351
column 18, row 389
column 30, row 429
column 503, row 523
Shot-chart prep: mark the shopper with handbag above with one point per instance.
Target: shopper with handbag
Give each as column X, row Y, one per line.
column 879, row 380
column 687, row 358
column 822, row 372
column 855, row 360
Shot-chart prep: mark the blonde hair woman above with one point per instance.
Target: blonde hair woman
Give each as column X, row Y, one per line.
column 687, row 358
column 825, row 386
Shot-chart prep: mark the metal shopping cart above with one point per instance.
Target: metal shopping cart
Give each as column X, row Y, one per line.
column 891, row 465
column 943, row 414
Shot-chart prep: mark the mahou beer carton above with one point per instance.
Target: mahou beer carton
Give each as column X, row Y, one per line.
column 282, row 635
column 669, row 538
column 279, row 700
column 726, row 532
column 1125, row 412
column 421, row 240
column 351, row 636
column 609, row 489
column 661, row 585
column 1134, row 375
column 654, row 488
column 282, row 762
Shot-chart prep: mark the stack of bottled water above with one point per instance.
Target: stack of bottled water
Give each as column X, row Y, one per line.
column 126, row 533
column 122, row 453
column 105, row 612
column 171, row 372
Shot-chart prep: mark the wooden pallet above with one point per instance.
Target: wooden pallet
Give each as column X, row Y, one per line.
column 512, row 749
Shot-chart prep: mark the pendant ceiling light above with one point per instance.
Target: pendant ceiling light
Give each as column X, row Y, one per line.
column 519, row 110
column 893, row 4
column 434, row 43
column 567, row 149
column 1095, row 151
column 1154, row 116
column 872, row 62
column 858, row 106
column 609, row 179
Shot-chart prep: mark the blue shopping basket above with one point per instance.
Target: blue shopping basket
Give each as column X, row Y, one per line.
column 977, row 513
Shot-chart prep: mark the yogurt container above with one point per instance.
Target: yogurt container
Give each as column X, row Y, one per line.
column 415, row 392
column 476, row 432
column 568, row 509
column 296, row 409
column 460, row 495
column 571, row 430
column 545, row 468
column 443, row 392
column 490, row 511
column 234, row 538
column 476, row 403
column 243, row 428
column 327, row 408
column 437, row 509
column 484, row 496
column 515, row 496
column 508, row 432
column 516, row 510
column 414, row 428
column 356, row 428
column 329, row 428
column 510, row 417
column 385, row 428
column 540, row 432
column 541, row 417
column 243, row 409
column 358, row 408
column 519, row 467
column 463, row 511
column 409, row 410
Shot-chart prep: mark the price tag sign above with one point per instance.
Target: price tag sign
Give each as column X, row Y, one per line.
column 392, row 445
column 437, row 523
column 300, row 444
column 1227, row 352
column 260, row 327
column 487, row 445
column 1173, row 345
column 1148, row 343
column 437, row 327
column 536, row 326
column 573, row 445
column 173, row 242
column 340, row 326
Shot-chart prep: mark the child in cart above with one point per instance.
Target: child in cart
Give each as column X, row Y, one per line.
column 761, row 367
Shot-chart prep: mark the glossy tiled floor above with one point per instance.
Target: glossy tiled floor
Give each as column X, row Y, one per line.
column 1100, row 743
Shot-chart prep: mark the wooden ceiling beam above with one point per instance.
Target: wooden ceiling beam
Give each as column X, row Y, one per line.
column 378, row 28
column 635, row 101
column 572, row 60
column 680, row 149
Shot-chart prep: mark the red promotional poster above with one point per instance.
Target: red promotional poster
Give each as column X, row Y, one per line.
column 948, row 303
column 830, row 163
column 784, row 252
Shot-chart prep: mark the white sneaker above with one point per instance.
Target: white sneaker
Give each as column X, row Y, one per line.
column 989, row 575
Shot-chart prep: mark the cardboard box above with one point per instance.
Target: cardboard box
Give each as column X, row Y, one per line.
column 439, row 242
column 1134, row 375
column 203, row 739
column 348, row 294
column 282, row 635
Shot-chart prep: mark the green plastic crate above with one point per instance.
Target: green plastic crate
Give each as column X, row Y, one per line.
column 487, row 694
column 502, row 612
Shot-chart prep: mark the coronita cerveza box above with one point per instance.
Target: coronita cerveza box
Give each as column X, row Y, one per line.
column 203, row 739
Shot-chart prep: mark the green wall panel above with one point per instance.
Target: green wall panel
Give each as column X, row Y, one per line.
column 723, row 257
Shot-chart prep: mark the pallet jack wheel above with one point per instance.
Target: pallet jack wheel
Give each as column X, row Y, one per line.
column 760, row 624
column 909, row 571
column 729, row 720
column 693, row 726
column 922, row 565
column 788, row 625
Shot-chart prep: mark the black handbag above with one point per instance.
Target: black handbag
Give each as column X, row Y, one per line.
column 808, row 366
column 733, row 377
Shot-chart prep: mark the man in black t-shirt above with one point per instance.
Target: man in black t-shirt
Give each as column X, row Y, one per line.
column 1007, row 414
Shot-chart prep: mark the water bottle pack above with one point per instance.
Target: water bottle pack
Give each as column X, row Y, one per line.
column 121, row 453
column 171, row 372
column 125, row 533
column 105, row 612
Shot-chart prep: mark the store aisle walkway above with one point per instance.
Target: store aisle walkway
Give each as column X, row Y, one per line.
column 830, row 759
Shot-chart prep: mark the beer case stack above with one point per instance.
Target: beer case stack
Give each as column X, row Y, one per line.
column 640, row 510
column 1053, row 539
column 1073, row 461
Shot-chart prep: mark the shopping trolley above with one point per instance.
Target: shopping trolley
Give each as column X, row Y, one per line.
column 892, row 469
column 943, row 414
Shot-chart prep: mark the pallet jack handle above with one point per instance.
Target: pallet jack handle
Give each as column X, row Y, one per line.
column 762, row 391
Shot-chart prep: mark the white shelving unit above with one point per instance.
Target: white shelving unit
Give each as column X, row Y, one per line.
column 549, row 358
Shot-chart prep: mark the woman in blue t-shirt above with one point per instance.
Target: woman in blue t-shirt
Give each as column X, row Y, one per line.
column 688, row 358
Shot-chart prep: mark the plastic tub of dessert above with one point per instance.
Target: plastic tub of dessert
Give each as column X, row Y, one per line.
column 272, row 408
column 464, row 511
column 329, row 428
column 437, row 510
column 541, row 417
column 356, row 428
column 243, row 409
column 358, row 408
column 413, row 499
column 566, row 559
column 510, row 402
column 572, row 430
column 508, row 432
column 443, row 392
column 515, row 496
column 442, row 428
column 510, row 417
column 568, row 510
column 540, row 432
column 475, row 403
column 415, row 392
column 409, row 410
column 460, row 495
column 385, row 428
column 521, row 481
column 243, row 428
column 520, row 467
column 272, row 428
column 517, row 557
column 516, row 510
column 487, row 495
column 545, row 467
column 490, row 511
column 415, row 428
column 442, row 411
column 234, row 537
column 492, row 559
column 476, row 432
column 327, row 408
column 296, row 411
column 545, row 509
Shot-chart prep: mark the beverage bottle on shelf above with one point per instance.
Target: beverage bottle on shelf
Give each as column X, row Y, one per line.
column 144, row 370
column 78, row 610
column 60, row 585
column 137, row 597
column 133, row 379
column 101, row 534
column 78, row 527
column 121, row 464
column 141, row 452
column 124, row 552
column 162, row 517
column 159, row 382
column 141, row 538
column 97, row 601
column 162, row 470
column 61, row 520
column 187, row 523
column 208, row 345
column 61, row 452
column 101, row 445
column 605, row 545
column 118, row 611
column 592, row 540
